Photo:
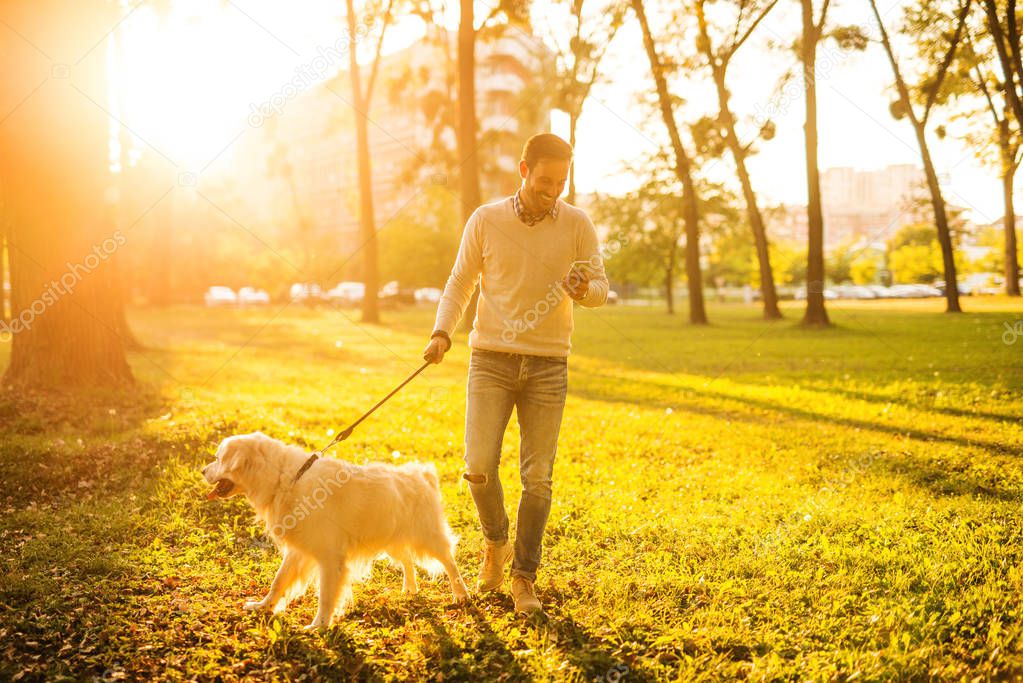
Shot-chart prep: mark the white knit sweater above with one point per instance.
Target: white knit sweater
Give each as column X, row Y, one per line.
column 523, row 308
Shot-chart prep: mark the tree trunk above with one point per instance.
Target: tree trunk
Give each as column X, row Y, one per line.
column 718, row 71
column 669, row 283
column 3, row 273
column 816, row 314
column 367, row 223
column 1009, row 222
column 756, row 219
column 53, row 162
column 683, row 170
column 941, row 222
column 919, row 129
column 573, row 122
column 469, row 174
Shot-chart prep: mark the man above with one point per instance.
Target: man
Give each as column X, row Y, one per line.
column 522, row 250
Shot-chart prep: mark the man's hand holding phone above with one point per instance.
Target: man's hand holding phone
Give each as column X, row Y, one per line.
column 577, row 282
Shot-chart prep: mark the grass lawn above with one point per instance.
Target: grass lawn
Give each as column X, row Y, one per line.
column 747, row 499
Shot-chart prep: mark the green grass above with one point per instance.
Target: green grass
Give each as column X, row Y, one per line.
column 746, row 500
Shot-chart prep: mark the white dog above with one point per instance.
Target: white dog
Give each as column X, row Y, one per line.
column 336, row 518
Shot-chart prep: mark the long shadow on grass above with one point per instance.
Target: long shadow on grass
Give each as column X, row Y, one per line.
column 942, row 481
column 915, row 405
column 60, row 445
column 918, row 434
column 493, row 659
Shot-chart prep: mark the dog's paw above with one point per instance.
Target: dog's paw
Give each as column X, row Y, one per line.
column 460, row 598
column 315, row 627
column 256, row 606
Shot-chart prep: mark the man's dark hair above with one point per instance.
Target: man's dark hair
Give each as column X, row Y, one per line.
column 545, row 146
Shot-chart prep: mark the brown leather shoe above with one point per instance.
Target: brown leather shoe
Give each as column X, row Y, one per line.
column 495, row 557
column 524, row 595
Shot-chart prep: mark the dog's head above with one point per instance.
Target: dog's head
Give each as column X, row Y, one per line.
column 240, row 465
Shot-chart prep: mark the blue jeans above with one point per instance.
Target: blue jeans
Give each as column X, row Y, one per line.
column 536, row 387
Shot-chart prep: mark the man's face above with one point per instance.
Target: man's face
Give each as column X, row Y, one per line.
column 544, row 183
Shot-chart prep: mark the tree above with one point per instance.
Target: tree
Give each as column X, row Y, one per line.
column 418, row 246
column 54, row 162
column 683, row 167
column 1007, row 47
column 468, row 143
column 983, row 72
column 812, row 33
column 360, row 103
column 928, row 91
column 863, row 271
column 748, row 16
column 650, row 239
column 3, row 271
column 914, row 255
column 579, row 63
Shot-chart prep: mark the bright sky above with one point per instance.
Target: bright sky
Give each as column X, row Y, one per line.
column 191, row 83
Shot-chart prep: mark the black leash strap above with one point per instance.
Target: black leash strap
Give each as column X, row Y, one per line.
column 341, row 436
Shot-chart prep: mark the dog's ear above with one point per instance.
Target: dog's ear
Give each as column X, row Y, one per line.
column 248, row 455
column 222, row 448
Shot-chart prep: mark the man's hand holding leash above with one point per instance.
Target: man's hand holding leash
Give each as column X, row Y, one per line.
column 439, row 344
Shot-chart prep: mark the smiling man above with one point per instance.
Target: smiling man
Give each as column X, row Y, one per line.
column 525, row 250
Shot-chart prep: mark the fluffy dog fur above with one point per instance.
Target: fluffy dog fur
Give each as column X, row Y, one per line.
column 336, row 519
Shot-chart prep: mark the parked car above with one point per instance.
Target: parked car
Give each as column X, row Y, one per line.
column 347, row 293
column 964, row 289
column 612, row 296
column 428, row 295
column 250, row 296
column 984, row 283
column 829, row 294
column 220, row 296
column 306, row 293
column 393, row 294
column 854, row 292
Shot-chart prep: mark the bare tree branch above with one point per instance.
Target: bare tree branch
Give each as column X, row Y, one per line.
column 995, row 26
column 376, row 55
column 819, row 26
column 737, row 44
column 932, row 96
column 900, row 83
column 981, row 84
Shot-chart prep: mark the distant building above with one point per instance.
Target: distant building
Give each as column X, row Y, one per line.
column 866, row 204
column 414, row 98
column 786, row 222
column 857, row 206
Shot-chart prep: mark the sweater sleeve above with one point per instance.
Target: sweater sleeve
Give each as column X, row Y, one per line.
column 589, row 250
column 464, row 276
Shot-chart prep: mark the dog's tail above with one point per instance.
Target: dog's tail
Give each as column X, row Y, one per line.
column 424, row 559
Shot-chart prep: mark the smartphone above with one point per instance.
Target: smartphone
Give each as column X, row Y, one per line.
column 584, row 268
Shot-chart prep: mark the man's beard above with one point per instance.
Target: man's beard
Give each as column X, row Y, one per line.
column 539, row 200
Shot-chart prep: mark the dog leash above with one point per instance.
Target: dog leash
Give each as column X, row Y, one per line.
column 341, row 436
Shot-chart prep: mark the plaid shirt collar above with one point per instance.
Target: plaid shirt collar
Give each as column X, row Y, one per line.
column 526, row 217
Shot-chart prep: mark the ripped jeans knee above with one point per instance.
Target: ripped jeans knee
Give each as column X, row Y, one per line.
column 475, row 478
